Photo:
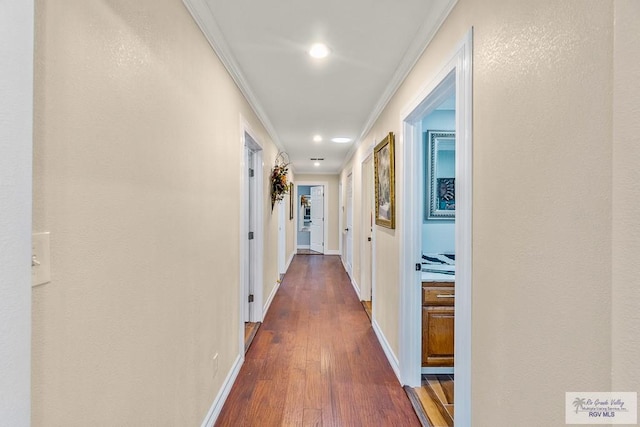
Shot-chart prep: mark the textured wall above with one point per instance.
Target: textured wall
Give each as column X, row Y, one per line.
column 542, row 189
column 136, row 176
column 16, row 113
column 626, row 197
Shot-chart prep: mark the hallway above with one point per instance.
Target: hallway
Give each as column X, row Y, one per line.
column 316, row 360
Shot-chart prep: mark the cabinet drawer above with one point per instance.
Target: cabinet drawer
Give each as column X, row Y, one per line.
column 438, row 296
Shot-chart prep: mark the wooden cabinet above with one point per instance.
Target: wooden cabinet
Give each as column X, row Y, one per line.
column 438, row 300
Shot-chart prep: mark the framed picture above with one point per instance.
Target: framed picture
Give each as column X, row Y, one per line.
column 291, row 197
column 440, row 181
column 384, row 174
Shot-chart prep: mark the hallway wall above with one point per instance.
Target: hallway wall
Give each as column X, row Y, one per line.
column 137, row 154
column 542, row 315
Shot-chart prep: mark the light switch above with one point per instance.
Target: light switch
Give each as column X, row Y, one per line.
column 40, row 259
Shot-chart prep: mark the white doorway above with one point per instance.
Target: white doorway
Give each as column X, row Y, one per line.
column 282, row 242
column 316, row 226
column 303, row 205
column 456, row 76
column 348, row 230
column 251, row 232
column 366, row 254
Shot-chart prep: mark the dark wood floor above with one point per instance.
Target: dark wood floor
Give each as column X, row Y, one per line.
column 315, row 360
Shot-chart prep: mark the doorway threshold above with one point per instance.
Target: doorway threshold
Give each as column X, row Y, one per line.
column 250, row 331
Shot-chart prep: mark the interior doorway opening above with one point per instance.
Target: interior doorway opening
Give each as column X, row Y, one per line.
column 251, row 239
column 366, row 253
column 310, row 204
column 419, row 308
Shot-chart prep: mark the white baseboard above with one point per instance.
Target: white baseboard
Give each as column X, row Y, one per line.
column 218, row 403
column 267, row 303
column 332, row 252
column 356, row 287
column 289, row 261
column 304, row 246
column 393, row 360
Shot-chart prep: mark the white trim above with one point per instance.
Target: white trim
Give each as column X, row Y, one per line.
column 365, row 225
column 411, row 148
column 304, row 246
column 290, row 260
column 203, row 16
column 272, row 295
column 218, row 402
column 391, row 357
column 356, row 288
column 333, row 252
column 421, row 40
column 258, row 263
column 464, row 232
column 282, row 238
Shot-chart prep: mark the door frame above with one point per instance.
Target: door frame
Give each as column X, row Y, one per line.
column 459, row 69
column 366, row 187
column 282, row 238
column 249, row 140
column 324, row 184
column 347, row 260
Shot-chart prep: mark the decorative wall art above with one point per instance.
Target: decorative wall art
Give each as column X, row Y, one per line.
column 440, row 181
column 384, row 173
column 291, row 193
column 279, row 186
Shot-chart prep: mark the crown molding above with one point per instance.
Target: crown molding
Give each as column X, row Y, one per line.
column 422, row 39
column 203, row 17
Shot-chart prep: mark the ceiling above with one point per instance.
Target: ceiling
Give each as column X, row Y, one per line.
column 264, row 45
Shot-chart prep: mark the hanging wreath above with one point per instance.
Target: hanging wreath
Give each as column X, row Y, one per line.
column 279, row 185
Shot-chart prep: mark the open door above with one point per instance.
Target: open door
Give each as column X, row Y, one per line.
column 317, row 219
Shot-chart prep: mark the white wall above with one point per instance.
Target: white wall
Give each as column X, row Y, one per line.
column 16, row 112
column 137, row 155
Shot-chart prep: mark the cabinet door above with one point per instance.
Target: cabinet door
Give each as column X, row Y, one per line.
column 437, row 335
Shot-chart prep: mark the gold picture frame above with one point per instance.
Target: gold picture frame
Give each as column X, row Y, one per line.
column 291, row 201
column 384, row 174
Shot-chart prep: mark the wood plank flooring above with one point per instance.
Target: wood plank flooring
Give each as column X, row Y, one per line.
column 250, row 331
column 367, row 308
column 434, row 400
column 315, row 360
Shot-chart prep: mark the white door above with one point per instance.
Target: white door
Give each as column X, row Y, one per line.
column 282, row 262
column 367, row 226
column 349, row 228
column 251, row 249
column 317, row 219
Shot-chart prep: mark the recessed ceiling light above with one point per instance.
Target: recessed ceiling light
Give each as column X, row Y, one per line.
column 319, row 50
column 317, row 138
column 316, row 164
column 341, row 140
